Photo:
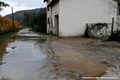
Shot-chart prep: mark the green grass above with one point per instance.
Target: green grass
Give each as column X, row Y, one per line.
column 7, row 36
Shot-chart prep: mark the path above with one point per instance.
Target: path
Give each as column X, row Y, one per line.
column 25, row 32
column 25, row 58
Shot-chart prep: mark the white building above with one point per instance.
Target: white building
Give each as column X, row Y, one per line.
column 67, row 18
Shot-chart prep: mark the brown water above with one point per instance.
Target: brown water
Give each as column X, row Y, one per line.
column 22, row 58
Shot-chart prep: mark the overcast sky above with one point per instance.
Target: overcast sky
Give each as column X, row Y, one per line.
column 21, row 5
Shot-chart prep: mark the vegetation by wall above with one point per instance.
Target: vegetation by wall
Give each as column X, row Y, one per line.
column 36, row 21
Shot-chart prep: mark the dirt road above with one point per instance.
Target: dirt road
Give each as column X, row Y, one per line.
column 87, row 57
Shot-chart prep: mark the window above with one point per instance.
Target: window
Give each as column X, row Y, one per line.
column 48, row 8
column 118, row 8
column 48, row 20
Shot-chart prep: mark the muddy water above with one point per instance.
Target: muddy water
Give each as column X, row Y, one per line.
column 22, row 58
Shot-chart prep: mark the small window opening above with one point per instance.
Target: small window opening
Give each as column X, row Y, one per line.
column 118, row 8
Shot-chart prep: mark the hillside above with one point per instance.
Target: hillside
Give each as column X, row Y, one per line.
column 20, row 15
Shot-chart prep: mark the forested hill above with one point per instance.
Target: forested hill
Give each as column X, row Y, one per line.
column 20, row 15
column 35, row 18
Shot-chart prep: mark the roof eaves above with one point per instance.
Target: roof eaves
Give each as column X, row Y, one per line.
column 117, row 1
column 52, row 3
column 45, row 0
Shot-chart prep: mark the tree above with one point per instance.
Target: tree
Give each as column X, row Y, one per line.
column 29, row 19
column 41, row 21
column 36, row 20
column 3, row 4
column 6, row 25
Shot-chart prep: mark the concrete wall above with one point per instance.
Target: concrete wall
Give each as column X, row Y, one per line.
column 49, row 23
column 74, row 14
column 55, row 11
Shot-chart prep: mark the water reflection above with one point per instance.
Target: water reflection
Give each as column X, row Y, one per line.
column 25, row 56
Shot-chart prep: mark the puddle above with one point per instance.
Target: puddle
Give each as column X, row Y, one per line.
column 22, row 58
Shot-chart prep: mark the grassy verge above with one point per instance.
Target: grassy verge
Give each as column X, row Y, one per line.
column 7, row 36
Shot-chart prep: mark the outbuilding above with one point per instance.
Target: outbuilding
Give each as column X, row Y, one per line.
column 67, row 18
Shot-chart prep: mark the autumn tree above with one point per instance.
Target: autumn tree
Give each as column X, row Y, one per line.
column 6, row 25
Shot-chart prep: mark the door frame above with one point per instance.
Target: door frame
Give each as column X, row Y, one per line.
column 57, row 24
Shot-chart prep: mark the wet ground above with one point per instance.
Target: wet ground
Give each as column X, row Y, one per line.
column 23, row 58
column 26, row 57
column 87, row 57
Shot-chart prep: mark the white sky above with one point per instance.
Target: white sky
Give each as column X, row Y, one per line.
column 21, row 5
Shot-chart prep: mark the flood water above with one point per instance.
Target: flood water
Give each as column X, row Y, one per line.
column 22, row 58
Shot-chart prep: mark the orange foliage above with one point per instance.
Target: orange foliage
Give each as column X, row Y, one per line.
column 6, row 24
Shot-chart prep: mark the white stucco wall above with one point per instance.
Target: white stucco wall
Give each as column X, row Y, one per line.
column 54, row 10
column 74, row 14
column 49, row 23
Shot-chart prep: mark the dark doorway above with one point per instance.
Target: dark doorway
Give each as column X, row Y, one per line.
column 57, row 25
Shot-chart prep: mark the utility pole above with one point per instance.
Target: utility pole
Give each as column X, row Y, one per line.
column 13, row 20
